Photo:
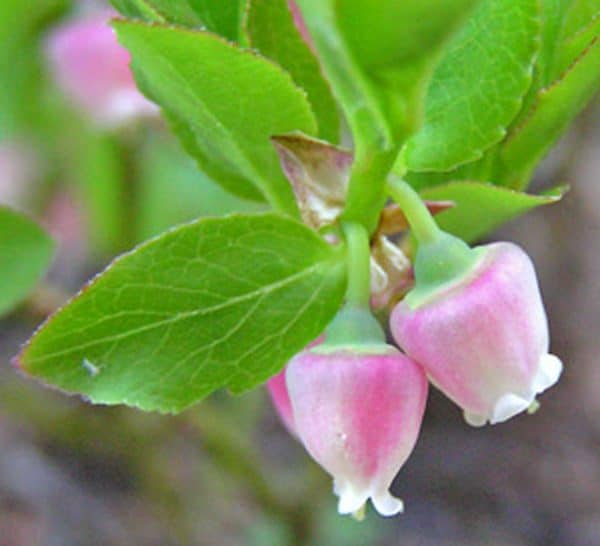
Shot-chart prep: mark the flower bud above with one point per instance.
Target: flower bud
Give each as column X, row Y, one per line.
column 92, row 70
column 358, row 414
column 483, row 338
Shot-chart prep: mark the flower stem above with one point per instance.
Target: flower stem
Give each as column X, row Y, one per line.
column 355, row 325
column 358, row 252
column 366, row 187
column 420, row 219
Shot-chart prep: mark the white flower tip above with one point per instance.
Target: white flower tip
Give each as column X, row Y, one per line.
column 386, row 504
column 548, row 373
column 507, row 406
column 511, row 404
column 474, row 419
column 350, row 501
column 353, row 503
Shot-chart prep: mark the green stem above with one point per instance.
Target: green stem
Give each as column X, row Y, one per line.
column 355, row 324
column 420, row 219
column 366, row 187
column 359, row 272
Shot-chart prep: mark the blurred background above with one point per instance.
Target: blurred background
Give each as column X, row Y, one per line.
column 82, row 152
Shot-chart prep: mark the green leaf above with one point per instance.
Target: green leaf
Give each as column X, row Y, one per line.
column 225, row 101
column 480, row 208
column 215, row 303
column 377, row 118
column 221, row 17
column 575, row 46
column 477, row 88
column 388, row 50
column 558, row 49
column 376, row 54
column 553, row 18
column 211, row 162
column 271, row 30
column 138, row 9
column 580, row 13
column 385, row 33
column 361, row 100
column 548, row 107
column 21, row 70
column 551, row 112
column 569, row 31
column 25, row 254
column 475, row 171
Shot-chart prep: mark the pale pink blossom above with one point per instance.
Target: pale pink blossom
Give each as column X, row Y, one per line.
column 358, row 414
column 483, row 340
column 92, row 69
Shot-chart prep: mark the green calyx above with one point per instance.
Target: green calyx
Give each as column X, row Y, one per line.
column 441, row 259
column 440, row 263
column 355, row 328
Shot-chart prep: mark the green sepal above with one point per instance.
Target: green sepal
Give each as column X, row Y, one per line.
column 438, row 264
column 352, row 327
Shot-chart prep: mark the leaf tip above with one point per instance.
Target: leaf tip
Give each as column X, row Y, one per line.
column 557, row 193
column 17, row 363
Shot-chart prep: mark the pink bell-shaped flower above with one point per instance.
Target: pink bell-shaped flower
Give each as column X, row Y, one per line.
column 92, row 69
column 358, row 413
column 483, row 337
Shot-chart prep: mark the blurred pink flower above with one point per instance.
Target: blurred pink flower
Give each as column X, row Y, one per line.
column 92, row 69
column 483, row 340
column 65, row 220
